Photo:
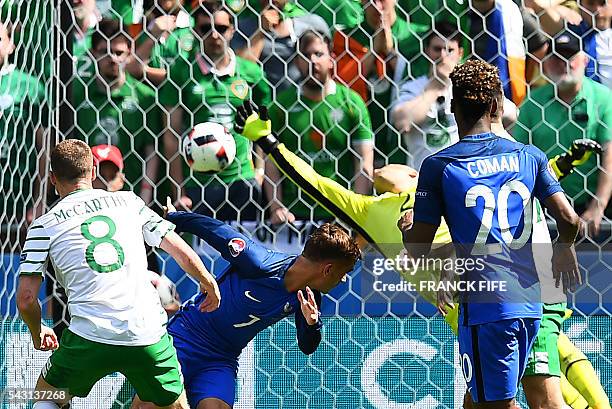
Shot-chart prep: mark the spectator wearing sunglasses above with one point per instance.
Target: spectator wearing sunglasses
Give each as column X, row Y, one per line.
column 422, row 111
column 209, row 86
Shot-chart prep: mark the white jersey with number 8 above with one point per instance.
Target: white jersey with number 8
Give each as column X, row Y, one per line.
column 95, row 241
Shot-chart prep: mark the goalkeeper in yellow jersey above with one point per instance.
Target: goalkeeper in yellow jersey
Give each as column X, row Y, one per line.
column 374, row 218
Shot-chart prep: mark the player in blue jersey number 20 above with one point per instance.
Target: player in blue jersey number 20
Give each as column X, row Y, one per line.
column 259, row 288
column 484, row 187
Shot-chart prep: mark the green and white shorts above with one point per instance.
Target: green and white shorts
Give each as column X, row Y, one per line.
column 153, row 370
column 544, row 355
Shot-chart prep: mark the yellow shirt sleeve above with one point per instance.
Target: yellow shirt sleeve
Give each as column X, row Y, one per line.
column 346, row 205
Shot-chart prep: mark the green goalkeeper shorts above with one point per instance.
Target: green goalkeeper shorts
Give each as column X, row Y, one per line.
column 544, row 355
column 153, row 370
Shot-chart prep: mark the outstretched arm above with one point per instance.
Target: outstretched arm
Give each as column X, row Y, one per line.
column 189, row 261
column 343, row 203
column 549, row 192
column 240, row 251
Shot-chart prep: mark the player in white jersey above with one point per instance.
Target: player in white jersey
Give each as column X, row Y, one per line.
column 95, row 241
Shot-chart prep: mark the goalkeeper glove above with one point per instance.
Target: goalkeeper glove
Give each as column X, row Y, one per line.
column 579, row 153
column 252, row 122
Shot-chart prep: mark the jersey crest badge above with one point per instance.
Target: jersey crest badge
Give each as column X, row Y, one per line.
column 240, row 88
column 288, row 308
column 130, row 104
column 186, row 43
column 236, row 246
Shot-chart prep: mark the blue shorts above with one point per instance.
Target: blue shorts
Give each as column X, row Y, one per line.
column 494, row 356
column 204, row 377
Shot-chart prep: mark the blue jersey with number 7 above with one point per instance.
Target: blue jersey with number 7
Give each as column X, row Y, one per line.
column 253, row 295
column 484, row 187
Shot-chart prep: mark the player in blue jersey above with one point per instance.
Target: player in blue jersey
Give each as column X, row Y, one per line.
column 258, row 288
column 484, row 186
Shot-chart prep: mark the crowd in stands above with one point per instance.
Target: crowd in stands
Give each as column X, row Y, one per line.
column 351, row 85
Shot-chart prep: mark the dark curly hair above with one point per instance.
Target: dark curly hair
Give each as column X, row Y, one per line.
column 475, row 85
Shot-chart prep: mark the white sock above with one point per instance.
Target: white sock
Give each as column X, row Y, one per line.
column 45, row 405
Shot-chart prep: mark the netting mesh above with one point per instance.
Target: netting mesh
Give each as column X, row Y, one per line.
column 63, row 80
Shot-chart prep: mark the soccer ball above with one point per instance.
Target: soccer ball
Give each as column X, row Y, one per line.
column 165, row 288
column 209, row 147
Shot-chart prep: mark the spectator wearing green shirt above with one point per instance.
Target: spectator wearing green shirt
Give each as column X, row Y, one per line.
column 113, row 108
column 118, row 9
column 87, row 15
column 167, row 36
column 272, row 37
column 327, row 124
column 572, row 107
column 368, row 57
column 22, row 158
column 210, row 86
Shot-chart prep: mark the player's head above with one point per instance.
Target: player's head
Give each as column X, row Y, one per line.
column 395, row 178
column 333, row 253
column 566, row 62
column 314, row 60
column 443, row 43
column 71, row 166
column 109, row 163
column 214, row 25
column 111, row 47
column 6, row 43
column 477, row 92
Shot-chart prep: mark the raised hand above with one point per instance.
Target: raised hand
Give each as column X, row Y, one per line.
column 565, row 267
column 213, row 296
column 163, row 24
column 252, row 122
column 169, row 207
column 309, row 306
column 270, row 18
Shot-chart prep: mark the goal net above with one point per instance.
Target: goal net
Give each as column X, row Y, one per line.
column 380, row 349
